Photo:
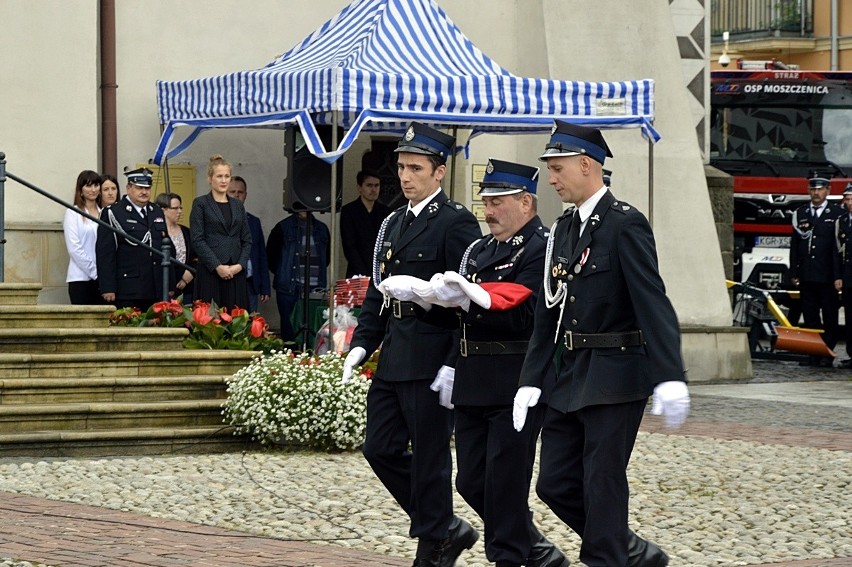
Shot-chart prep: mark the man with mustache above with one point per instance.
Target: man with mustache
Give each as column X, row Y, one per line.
column 501, row 276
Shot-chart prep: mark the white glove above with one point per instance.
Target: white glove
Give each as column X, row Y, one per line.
column 525, row 398
column 472, row 290
column 671, row 400
column 443, row 384
column 400, row 287
column 353, row 359
column 439, row 292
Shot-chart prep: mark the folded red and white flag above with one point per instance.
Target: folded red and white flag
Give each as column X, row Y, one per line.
column 494, row 296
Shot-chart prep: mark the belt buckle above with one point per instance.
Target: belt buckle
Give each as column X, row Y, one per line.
column 569, row 340
column 463, row 347
column 396, row 305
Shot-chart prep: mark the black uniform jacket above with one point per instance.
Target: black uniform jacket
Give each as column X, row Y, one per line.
column 414, row 348
column 483, row 380
column 612, row 285
column 813, row 249
column 215, row 241
column 124, row 268
column 844, row 248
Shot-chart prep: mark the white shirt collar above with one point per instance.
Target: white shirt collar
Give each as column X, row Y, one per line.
column 588, row 207
column 417, row 209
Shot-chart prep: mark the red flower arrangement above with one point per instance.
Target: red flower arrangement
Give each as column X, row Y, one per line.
column 209, row 325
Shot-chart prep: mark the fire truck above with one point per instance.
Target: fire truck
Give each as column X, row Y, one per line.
column 771, row 128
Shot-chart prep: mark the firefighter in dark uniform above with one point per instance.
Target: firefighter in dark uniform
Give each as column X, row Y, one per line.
column 815, row 263
column 129, row 275
column 495, row 464
column 419, row 348
column 603, row 299
column 843, row 230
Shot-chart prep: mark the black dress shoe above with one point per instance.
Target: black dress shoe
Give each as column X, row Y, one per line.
column 445, row 552
column 462, row 536
column 545, row 554
column 643, row 553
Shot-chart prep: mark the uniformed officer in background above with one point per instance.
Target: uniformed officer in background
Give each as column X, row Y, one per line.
column 129, row 275
column 495, row 464
column 815, row 263
column 843, row 230
column 419, row 350
column 604, row 300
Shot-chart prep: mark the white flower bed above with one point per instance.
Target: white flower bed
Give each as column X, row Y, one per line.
column 297, row 399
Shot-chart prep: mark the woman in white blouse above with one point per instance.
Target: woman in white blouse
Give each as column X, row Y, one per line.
column 80, row 236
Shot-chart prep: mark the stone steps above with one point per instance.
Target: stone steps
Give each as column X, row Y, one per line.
column 56, row 316
column 107, row 339
column 85, row 416
column 19, row 293
column 138, row 441
column 71, row 385
column 114, row 364
column 111, row 389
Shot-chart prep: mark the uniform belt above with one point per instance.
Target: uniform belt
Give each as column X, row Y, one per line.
column 471, row 348
column 574, row 341
column 402, row 309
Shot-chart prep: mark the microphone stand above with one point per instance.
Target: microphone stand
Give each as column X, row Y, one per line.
column 305, row 329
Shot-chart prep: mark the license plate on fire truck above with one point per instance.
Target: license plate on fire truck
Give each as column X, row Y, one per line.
column 772, row 241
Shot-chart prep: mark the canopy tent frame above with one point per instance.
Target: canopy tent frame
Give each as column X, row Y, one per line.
column 375, row 67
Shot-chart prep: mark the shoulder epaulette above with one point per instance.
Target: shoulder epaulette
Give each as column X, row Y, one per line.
column 621, row 207
column 542, row 232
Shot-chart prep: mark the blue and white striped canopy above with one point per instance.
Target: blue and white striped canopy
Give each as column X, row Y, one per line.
column 381, row 64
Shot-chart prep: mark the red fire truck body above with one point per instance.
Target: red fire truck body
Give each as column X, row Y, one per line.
column 772, row 129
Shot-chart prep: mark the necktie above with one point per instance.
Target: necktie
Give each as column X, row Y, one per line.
column 814, row 213
column 144, row 212
column 574, row 233
column 406, row 222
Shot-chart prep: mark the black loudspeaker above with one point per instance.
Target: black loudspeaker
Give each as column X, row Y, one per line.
column 308, row 183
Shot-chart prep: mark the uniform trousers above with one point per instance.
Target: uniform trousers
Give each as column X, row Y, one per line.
column 583, row 475
column 495, row 466
column 85, row 293
column 420, row 477
column 847, row 312
column 817, row 299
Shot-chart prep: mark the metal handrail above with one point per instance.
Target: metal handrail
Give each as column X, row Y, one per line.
column 165, row 253
column 751, row 19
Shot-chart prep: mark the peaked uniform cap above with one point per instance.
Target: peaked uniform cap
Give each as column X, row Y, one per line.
column 421, row 139
column 819, row 182
column 507, row 178
column 140, row 177
column 569, row 139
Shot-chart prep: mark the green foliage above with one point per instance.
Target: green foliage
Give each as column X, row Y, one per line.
column 210, row 326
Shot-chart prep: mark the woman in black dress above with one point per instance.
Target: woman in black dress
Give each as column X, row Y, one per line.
column 221, row 239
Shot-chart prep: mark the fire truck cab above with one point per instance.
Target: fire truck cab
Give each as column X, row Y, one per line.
column 772, row 127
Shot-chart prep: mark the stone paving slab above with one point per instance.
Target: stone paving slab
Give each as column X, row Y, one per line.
column 75, row 535
column 70, row 535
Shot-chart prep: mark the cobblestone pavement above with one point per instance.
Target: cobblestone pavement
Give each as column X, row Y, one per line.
column 781, row 417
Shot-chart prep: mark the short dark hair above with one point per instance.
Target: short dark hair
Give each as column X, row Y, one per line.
column 241, row 180
column 364, row 174
column 164, row 200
